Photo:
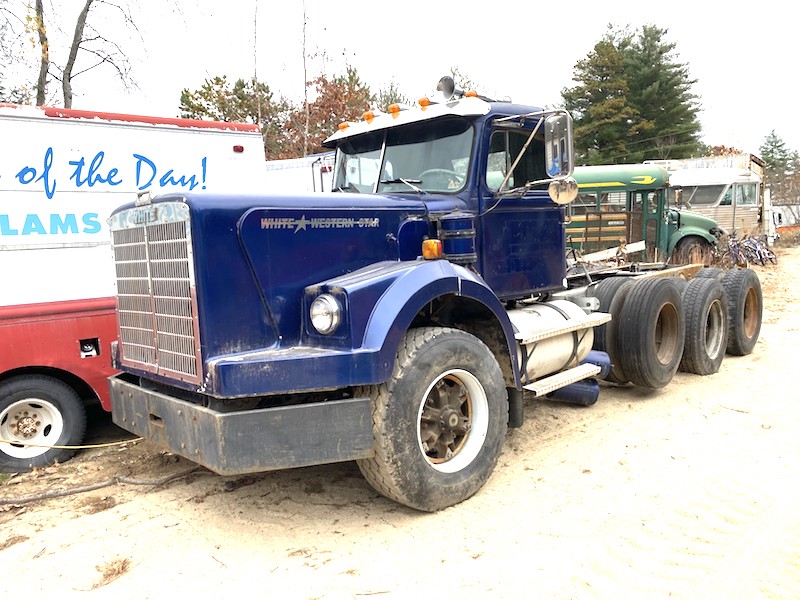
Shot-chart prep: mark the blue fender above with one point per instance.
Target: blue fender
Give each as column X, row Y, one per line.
column 379, row 304
column 419, row 283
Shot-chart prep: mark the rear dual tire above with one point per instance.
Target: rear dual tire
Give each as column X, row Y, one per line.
column 745, row 303
column 706, row 336
column 645, row 337
column 651, row 332
column 611, row 294
column 745, row 310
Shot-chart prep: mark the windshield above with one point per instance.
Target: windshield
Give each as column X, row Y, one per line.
column 701, row 194
column 420, row 157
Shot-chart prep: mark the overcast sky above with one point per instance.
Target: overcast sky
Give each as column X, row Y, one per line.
column 741, row 54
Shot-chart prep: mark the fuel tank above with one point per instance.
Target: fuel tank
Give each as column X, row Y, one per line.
column 555, row 351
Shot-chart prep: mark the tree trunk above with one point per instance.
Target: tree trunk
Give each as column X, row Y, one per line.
column 44, row 64
column 66, row 84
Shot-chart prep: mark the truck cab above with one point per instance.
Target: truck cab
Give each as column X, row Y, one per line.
column 467, row 159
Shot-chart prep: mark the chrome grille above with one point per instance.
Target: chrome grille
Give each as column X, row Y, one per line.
column 156, row 303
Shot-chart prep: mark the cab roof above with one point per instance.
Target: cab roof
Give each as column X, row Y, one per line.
column 469, row 106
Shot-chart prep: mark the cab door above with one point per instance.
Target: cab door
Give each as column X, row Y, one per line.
column 650, row 205
column 521, row 236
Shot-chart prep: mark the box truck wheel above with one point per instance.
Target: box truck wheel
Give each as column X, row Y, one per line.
column 439, row 422
column 41, row 411
column 706, row 326
column 745, row 307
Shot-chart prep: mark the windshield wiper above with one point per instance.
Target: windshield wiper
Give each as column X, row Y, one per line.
column 409, row 182
column 347, row 187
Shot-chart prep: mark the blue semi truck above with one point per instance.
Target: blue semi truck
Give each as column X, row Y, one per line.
column 399, row 319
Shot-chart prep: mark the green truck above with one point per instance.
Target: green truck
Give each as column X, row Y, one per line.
column 620, row 205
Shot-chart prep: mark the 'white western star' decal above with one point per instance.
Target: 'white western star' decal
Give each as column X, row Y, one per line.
column 319, row 223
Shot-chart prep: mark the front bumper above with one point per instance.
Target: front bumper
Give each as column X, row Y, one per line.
column 246, row 441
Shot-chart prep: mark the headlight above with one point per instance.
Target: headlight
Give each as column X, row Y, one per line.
column 326, row 314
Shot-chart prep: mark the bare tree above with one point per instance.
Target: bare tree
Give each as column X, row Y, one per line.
column 44, row 63
column 88, row 48
column 102, row 51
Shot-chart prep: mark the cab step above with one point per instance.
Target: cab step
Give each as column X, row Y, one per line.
column 545, row 385
column 591, row 320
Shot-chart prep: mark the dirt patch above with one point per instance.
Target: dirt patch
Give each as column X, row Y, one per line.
column 681, row 492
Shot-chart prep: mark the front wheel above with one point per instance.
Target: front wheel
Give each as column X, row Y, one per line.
column 692, row 250
column 36, row 413
column 439, row 422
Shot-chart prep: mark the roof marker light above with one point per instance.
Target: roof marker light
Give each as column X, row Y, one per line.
column 343, row 126
column 394, row 109
column 424, row 102
column 368, row 116
column 471, row 94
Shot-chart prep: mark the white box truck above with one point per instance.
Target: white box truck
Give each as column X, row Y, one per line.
column 62, row 172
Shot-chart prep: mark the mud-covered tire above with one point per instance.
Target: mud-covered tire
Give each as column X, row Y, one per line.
column 692, row 250
column 42, row 411
column 611, row 295
column 745, row 309
column 439, row 423
column 710, row 273
column 706, row 338
column 651, row 332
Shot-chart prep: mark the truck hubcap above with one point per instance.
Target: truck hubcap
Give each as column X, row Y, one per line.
column 453, row 420
column 29, row 421
column 26, row 425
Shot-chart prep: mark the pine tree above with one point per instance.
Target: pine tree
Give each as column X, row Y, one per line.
column 660, row 91
column 782, row 169
column 244, row 102
column 633, row 101
column 604, row 119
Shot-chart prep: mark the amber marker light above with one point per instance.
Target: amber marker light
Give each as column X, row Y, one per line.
column 424, row 102
column 394, row 110
column 471, row 94
column 343, row 126
column 368, row 116
column 432, row 249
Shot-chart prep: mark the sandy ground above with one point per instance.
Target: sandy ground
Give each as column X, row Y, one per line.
column 687, row 492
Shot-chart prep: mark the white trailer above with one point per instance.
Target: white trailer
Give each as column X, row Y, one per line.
column 312, row 173
column 62, row 172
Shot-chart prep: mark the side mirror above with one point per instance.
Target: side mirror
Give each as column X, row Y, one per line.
column 563, row 191
column 559, row 157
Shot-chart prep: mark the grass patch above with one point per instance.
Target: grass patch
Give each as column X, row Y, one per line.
column 112, row 570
